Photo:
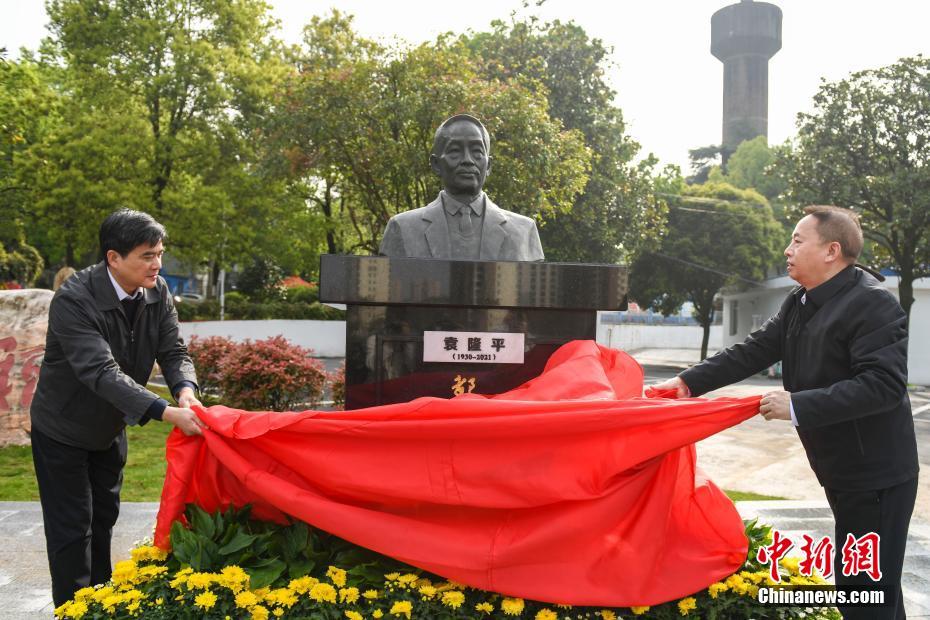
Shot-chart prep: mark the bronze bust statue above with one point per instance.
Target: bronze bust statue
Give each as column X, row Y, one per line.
column 462, row 223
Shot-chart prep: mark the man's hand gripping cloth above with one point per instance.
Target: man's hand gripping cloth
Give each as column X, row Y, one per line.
column 571, row 488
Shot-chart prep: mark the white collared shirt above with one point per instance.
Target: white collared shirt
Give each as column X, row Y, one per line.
column 120, row 293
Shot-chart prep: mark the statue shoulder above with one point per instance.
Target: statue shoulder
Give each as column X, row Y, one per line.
column 515, row 219
column 408, row 217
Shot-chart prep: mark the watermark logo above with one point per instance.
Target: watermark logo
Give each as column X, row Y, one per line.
column 858, row 555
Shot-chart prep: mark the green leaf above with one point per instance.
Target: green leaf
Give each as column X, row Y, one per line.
column 294, row 539
column 239, row 542
column 265, row 575
column 300, row 567
column 201, row 522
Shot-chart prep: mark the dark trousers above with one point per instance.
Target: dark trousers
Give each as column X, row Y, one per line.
column 887, row 512
column 79, row 490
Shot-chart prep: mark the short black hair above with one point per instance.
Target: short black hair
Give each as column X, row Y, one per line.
column 125, row 230
column 840, row 225
column 440, row 139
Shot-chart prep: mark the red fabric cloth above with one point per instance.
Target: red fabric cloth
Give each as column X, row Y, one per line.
column 569, row 489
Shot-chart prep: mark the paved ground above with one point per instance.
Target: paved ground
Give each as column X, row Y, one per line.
column 759, row 456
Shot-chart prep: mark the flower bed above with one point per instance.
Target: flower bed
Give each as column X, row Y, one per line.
column 264, row 375
column 228, row 566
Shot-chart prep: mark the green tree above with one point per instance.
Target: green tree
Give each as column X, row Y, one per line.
column 25, row 102
column 752, row 166
column 618, row 213
column 866, row 146
column 163, row 110
column 718, row 235
column 356, row 122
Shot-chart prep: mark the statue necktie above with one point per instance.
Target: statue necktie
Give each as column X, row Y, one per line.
column 465, row 225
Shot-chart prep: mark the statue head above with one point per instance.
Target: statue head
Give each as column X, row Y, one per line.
column 461, row 154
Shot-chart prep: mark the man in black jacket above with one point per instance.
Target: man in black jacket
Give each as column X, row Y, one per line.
column 107, row 326
column 842, row 340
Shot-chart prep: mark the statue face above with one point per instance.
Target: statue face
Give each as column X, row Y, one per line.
column 464, row 162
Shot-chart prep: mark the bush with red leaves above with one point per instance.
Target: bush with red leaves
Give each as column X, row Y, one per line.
column 271, row 375
column 207, row 355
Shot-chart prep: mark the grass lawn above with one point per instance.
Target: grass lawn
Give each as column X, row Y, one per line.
column 742, row 496
column 142, row 478
column 145, row 469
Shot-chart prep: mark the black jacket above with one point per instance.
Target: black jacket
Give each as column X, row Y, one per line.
column 844, row 360
column 92, row 380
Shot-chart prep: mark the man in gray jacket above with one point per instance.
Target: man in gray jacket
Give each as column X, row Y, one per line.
column 108, row 324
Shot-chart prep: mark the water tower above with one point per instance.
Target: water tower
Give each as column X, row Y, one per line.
column 743, row 37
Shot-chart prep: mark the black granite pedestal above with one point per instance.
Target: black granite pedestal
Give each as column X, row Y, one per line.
column 391, row 302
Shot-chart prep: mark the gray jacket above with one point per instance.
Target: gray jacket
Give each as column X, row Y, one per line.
column 424, row 233
column 92, row 380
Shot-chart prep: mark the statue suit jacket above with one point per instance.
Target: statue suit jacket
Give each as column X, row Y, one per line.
column 423, row 233
column 844, row 360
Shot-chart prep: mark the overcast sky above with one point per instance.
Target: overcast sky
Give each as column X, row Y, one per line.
column 667, row 83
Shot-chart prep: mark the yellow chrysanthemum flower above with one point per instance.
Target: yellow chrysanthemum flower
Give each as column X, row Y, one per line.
column 101, row 593
column 354, row 615
column 453, row 599
column 303, row 584
column 336, row 575
column 246, row 599
column 71, row 609
column 377, row 614
column 109, row 603
column 392, row 576
column 277, row 612
column 606, row 614
column 148, row 553
column 792, row 564
column 259, row 612
column 371, row 594
column 716, row 588
column 234, row 578
column 685, row 605
column 512, row 606
column 428, row 592
column 402, row 608
column 407, row 578
column 84, row 593
column 200, row 581
column 282, row 596
column 546, row 614
column 348, row 595
column 205, row 599
column 323, row 592
column 485, row 608
column 124, row 572
column 638, row 611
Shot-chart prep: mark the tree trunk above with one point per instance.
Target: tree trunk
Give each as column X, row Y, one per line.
column 705, row 340
column 327, row 206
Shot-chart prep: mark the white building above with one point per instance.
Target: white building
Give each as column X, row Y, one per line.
column 745, row 311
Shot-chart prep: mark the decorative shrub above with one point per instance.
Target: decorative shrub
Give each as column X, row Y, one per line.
column 299, row 306
column 208, row 355
column 228, row 566
column 337, row 385
column 20, row 264
column 271, row 375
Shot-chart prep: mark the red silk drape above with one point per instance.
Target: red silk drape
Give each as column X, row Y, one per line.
column 569, row 489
